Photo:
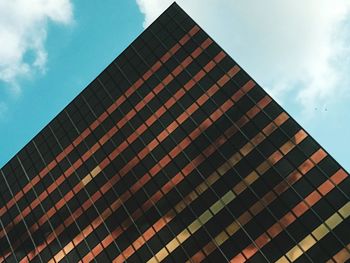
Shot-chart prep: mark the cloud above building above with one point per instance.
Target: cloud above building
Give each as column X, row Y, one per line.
column 295, row 49
column 23, row 31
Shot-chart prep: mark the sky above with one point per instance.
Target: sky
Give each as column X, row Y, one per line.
column 297, row 50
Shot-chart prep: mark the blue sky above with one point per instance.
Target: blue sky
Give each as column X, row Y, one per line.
column 300, row 55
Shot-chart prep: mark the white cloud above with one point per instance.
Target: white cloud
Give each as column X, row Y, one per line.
column 295, row 49
column 23, row 30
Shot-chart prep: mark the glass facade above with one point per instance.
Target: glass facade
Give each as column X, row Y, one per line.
column 174, row 154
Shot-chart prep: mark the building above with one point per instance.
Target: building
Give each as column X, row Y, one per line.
column 173, row 153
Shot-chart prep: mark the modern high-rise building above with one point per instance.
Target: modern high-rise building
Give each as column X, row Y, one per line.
column 174, row 154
